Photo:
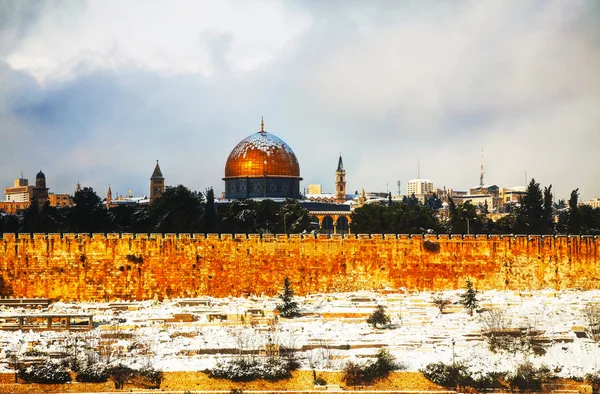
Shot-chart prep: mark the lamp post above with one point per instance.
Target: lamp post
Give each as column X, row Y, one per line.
column 465, row 212
column 453, row 351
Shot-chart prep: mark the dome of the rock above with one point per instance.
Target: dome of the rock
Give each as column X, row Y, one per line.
column 262, row 165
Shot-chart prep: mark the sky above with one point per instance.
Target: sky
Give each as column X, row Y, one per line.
column 96, row 91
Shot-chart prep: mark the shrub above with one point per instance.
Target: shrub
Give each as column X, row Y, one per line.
column 121, row 374
column 448, row 375
column 594, row 380
column 149, row 377
column 94, row 373
column 356, row 374
column 320, row 381
column 431, row 246
column 47, row 373
column 527, row 377
column 246, row 370
column 379, row 317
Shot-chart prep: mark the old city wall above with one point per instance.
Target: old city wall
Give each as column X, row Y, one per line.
column 141, row 266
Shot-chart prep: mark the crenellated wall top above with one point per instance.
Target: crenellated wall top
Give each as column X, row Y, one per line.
column 25, row 237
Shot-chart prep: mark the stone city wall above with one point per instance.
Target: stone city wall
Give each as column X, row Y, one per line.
column 155, row 266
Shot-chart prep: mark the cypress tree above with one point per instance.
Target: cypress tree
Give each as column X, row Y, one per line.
column 288, row 307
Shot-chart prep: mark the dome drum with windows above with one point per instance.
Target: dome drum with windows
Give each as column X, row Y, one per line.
column 262, row 165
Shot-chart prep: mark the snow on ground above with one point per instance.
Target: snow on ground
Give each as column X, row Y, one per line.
column 419, row 335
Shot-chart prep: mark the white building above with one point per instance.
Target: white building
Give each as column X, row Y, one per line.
column 594, row 203
column 419, row 186
column 20, row 192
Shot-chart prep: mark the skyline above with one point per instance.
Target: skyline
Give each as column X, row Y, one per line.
column 94, row 96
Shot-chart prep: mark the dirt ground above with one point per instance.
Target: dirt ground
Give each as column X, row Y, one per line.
column 198, row 381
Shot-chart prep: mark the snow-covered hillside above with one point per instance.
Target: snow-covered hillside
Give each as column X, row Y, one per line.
column 332, row 330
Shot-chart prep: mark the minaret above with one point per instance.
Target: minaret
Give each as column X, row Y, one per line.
column 157, row 183
column 340, row 182
column 108, row 197
column 40, row 191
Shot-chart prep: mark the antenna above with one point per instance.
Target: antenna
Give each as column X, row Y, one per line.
column 418, row 167
column 481, row 170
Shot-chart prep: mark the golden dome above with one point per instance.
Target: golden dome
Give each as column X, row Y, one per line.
column 262, row 154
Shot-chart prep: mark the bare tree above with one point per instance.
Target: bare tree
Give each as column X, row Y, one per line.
column 591, row 316
column 441, row 302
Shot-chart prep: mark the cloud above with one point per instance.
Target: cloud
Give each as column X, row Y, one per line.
column 95, row 95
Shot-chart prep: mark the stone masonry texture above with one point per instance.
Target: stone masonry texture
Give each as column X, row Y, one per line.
column 80, row 267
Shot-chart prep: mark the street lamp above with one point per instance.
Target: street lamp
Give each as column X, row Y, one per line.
column 453, row 351
column 465, row 212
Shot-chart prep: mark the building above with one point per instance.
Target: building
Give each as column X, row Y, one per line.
column 594, row 203
column 20, row 196
column 340, row 182
column 40, row 191
column 492, row 190
column 157, row 183
column 315, row 189
column 512, row 194
column 419, row 186
column 262, row 166
column 60, row 200
column 21, row 191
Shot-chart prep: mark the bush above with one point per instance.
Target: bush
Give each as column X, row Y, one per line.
column 149, row 378
column 47, row 373
column 527, row 377
column 94, row 373
column 448, row 375
column 356, row 374
column 121, row 374
column 431, row 246
column 379, row 317
column 246, row 370
column 320, row 381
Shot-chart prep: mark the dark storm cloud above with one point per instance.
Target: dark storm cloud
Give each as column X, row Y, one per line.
column 386, row 84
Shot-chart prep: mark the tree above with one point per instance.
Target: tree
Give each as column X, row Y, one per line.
column 547, row 212
column 469, row 298
column 530, row 213
column 574, row 222
column 441, row 302
column 87, row 215
column 210, row 213
column 288, row 307
column 378, row 317
column 178, row 210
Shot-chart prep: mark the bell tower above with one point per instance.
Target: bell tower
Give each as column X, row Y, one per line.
column 157, row 183
column 340, row 182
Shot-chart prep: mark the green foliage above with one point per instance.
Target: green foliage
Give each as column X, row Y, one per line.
column 394, row 218
column 469, row 298
column 178, row 210
column 448, row 375
column 95, row 373
column 288, row 307
column 378, row 317
column 149, row 377
column 357, row 374
column 46, row 373
column 528, row 377
column 246, row 370
column 121, row 374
